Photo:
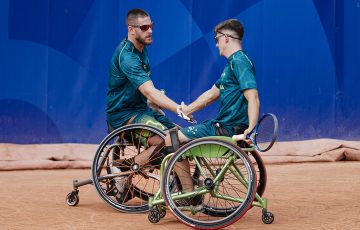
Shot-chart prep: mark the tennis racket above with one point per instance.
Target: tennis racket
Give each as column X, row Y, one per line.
column 264, row 135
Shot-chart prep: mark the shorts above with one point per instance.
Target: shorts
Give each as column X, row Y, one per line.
column 153, row 119
column 204, row 129
column 148, row 117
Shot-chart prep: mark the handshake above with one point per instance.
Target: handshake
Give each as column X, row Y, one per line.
column 181, row 113
column 181, row 110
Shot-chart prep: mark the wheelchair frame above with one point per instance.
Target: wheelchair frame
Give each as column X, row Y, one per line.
column 157, row 203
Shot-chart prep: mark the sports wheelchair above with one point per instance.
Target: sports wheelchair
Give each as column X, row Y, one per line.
column 229, row 179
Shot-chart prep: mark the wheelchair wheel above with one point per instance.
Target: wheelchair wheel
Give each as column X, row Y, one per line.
column 261, row 177
column 260, row 170
column 126, row 187
column 226, row 183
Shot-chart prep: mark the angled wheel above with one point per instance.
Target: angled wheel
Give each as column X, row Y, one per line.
column 260, row 170
column 226, row 184
column 123, row 184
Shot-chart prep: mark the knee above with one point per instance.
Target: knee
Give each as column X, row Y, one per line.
column 174, row 139
column 168, row 140
column 155, row 140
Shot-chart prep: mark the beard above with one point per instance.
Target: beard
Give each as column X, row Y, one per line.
column 144, row 41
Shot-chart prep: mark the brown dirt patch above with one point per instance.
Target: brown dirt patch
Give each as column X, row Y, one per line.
column 301, row 196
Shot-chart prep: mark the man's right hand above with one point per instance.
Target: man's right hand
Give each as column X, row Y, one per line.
column 185, row 109
column 182, row 113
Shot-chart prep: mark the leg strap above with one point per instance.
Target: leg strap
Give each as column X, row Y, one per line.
column 174, row 138
column 175, row 143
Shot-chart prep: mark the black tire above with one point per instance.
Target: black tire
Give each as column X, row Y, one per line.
column 124, row 143
column 260, row 170
column 228, row 184
column 267, row 217
column 72, row 199
column 154, row 216
column 261, row 177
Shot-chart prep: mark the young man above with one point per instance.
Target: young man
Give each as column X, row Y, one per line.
column 236, row 89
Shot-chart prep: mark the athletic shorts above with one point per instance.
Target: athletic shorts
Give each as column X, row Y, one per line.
column 153, row 119
column 205, row 129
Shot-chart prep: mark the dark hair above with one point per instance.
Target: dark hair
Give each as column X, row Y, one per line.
column 134, row 14
column 232, row 25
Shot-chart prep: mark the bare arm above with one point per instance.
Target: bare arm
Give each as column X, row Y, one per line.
column 252, row 97
column 155, row 96
column 203, row 100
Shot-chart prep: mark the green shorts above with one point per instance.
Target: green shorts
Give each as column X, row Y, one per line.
column 154, row 119
column 205, row 129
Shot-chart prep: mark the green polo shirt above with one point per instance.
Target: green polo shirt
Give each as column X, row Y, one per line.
column 128, row 70
column 238, row 75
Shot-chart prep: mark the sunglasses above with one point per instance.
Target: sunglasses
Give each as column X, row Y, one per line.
column 227, row 35
column 217, row 37
column 144, row 27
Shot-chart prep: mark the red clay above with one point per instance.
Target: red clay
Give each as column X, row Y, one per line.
column 301, row 196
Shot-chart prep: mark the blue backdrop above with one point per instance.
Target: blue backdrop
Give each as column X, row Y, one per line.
column 55, row 54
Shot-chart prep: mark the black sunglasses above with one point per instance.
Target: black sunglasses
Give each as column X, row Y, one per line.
column 217, row 37
column 227, row 35
column 144, row 27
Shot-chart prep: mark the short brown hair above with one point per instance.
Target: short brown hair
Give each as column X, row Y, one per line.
column 232, row 25
column 134, row 14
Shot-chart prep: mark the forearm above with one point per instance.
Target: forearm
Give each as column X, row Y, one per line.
column 253, row 112
column 157, row 97
column 203, row 100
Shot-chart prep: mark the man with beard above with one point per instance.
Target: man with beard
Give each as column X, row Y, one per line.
column 129, row 89
column 129, row 85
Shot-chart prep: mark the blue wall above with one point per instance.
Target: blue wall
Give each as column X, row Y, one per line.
column 55, row 54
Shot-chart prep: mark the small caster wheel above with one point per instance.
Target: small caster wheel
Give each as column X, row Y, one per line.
column 154, row 216
column 72, row 199
column 162, row 212
column 267, row 217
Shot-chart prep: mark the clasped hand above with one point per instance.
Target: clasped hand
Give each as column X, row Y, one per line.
column 183, row 112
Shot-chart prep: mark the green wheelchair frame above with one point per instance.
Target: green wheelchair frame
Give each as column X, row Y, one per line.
column 227, row 151
column 158, row 203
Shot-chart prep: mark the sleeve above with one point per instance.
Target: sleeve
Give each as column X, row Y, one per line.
column 244, row 75
column 133, row 69
column 218, row 83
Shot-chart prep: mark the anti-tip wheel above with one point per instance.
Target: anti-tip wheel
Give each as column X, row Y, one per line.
column 267, row 217
column 72, row 199
column 154, row 216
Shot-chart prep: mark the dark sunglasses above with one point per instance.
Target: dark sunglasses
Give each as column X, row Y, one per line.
column 227, row 35
column 217, row 37
column 144, row 27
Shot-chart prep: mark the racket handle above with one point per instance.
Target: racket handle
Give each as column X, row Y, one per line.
column 239, row 137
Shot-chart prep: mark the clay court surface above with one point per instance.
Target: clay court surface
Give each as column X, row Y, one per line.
column 312, row 195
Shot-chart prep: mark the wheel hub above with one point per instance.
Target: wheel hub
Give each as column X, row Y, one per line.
column 209, row 183
column 135, row 167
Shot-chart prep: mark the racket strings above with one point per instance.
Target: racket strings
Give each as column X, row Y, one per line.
column 265, row 133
